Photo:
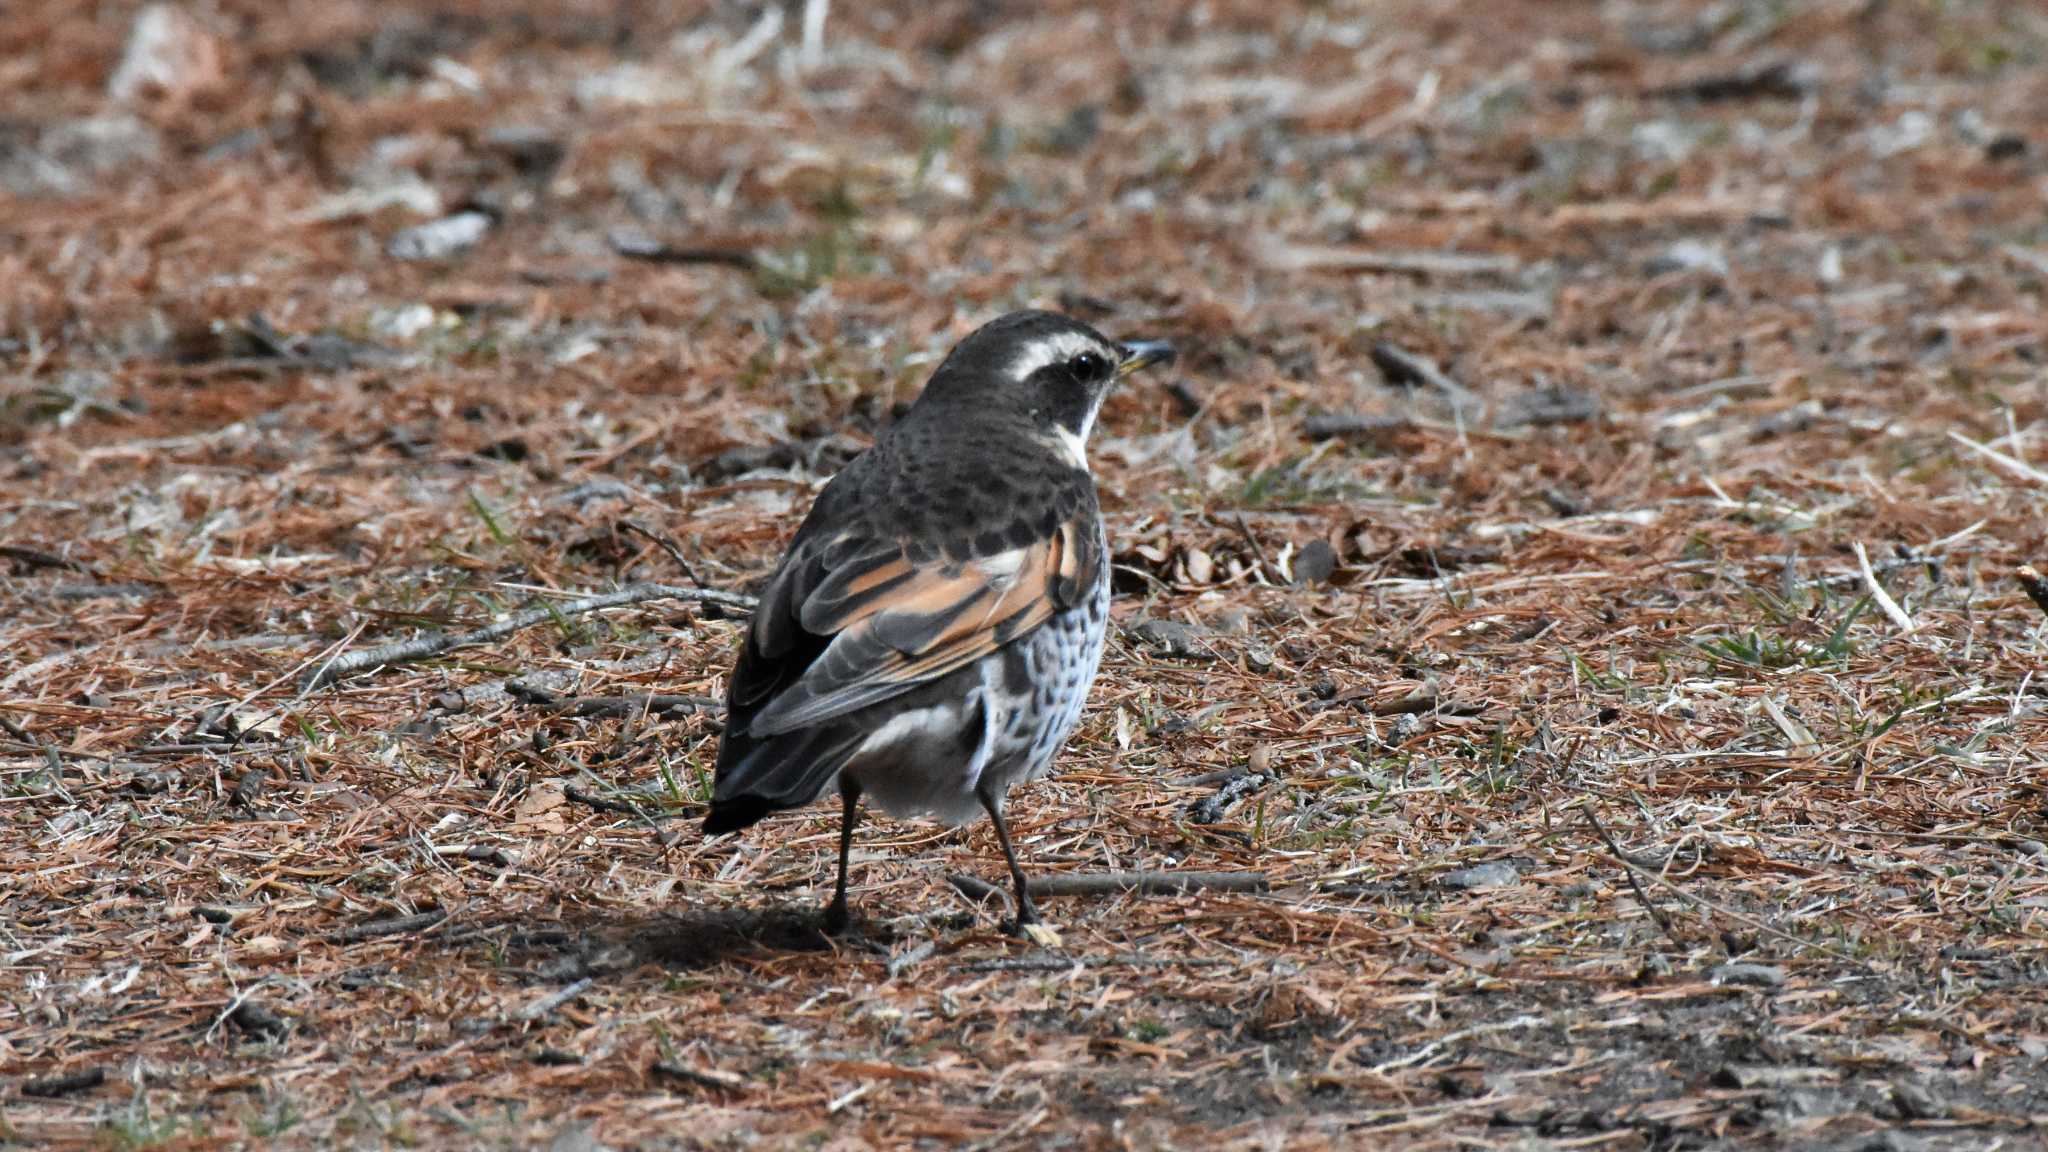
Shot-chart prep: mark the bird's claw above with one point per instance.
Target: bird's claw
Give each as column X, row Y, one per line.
column 1040, row 933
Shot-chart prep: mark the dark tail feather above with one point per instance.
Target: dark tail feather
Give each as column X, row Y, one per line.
column 735, row 814
column 757, row 777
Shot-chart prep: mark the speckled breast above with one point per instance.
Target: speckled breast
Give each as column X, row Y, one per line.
column 1045, row 680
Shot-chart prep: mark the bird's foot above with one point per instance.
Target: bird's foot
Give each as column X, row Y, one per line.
column 837, row 918
column 1029, row 926
column 1042, row 934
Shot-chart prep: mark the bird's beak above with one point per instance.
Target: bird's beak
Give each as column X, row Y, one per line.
column 1143, row 354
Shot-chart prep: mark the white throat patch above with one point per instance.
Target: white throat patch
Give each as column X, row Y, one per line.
column 1073, row 447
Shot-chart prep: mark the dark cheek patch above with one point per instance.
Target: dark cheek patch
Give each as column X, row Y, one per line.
column 1066, row 399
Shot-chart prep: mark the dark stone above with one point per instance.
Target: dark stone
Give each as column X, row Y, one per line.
column 1172, row 638
column 1315, row 563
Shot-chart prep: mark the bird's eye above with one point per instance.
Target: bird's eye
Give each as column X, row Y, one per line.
column 1089, row 368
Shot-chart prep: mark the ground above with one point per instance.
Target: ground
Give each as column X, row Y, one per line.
column 1570, row 583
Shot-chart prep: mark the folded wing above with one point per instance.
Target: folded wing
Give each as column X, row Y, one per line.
column 849, row 622
column 893, row 624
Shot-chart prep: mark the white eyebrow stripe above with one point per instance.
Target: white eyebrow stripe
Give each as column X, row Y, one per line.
column 1054, row 349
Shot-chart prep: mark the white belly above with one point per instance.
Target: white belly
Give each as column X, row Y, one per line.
column 929, row 762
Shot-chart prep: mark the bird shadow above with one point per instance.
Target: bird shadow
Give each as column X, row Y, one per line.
column 702, row 938
column 686, row 940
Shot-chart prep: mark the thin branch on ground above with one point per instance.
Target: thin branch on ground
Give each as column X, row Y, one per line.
column 549, row 1003
column 2010, row 463
column 1877, row 593
column 1628, row 869
column 435, row 643
column 1408, row 369
column 396, row 926
column 1122, row 883
column 652, row 704
column 622, row 807
column 667, row 545
column 1063, row 962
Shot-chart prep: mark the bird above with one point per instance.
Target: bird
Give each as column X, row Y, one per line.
column 931, row 632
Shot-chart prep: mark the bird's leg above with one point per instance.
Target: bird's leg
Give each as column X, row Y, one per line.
column 1027, row 913
column 836, row 915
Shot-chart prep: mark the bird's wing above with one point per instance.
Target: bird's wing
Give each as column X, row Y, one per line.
column 849, row 620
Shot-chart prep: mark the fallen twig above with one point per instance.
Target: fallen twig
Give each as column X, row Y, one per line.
column 65, row 1083
column 705, row 1077
column 637, row 245
column 100, row 591
column 1210, row 809
column 1066, row 963
column 1148, row 883
column 1251, row 539
column 666, row 545
column 1628, row 869
column 1881, row 567
column 34, row 558
column 1351, row 426
column 44, row 748
column 1883, row 598
column 435, row 643
column 393, row 927
column 13, row 728
column 2012, row 464
column 621, row 807
column 1118, row 883
column 842, row 1103
column 255, row 1023
column 1763, row 926
column 974, row 887
column 1772, row 79
column 911, row 958
column 547, row 1004
column 1409, row 369
column 652, row 704
column 1438, row 1045
column 1416, row 700
column 484, row 853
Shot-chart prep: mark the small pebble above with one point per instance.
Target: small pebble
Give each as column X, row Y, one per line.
column 1315, row 563
column 440, row 239
column 1493, row 874
column 1917, row 1102
column 1171, row 638
column 1688, row 256
column 1748, row 975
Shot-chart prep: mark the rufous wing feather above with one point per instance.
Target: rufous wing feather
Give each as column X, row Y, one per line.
column 894, row 624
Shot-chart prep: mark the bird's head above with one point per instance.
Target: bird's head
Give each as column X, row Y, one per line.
column 1052, row 369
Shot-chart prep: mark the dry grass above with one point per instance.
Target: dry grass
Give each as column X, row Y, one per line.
column 1610, row 807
